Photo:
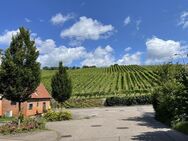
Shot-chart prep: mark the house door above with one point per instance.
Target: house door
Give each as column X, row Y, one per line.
column 44, row 107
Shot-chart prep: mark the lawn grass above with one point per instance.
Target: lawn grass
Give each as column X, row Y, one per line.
column 6, row 119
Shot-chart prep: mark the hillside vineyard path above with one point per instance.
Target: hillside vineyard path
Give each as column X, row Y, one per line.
column 134, row 123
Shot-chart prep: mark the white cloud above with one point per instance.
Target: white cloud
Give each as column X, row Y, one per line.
column 127, row 49
column 130, row 59
column 160, row 51
column 87, row 28
column 46, row 46
column 28, row 20
column 138, row 22
column 127, row 20
column 6, row 37
column 50, row 54
column 105, row 57
column 100, row 57
column 184, row 19
column 60, row 18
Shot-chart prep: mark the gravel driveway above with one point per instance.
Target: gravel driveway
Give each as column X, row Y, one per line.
column 135, row 123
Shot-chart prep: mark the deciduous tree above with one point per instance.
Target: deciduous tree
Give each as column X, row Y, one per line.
column 20, row 71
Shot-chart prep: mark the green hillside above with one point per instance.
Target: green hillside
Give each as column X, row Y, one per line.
column 106, row 82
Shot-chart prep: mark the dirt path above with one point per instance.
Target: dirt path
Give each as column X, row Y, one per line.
column 135, row 123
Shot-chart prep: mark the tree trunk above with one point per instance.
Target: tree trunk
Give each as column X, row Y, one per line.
column 19, row 107
column 61, row 104
column 19, row 114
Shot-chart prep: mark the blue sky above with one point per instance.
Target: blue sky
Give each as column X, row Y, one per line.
column 100, row 32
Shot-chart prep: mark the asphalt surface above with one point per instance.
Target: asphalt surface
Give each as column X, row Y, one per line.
column 135, row 123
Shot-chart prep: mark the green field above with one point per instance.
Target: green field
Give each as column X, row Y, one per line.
column 105, row 82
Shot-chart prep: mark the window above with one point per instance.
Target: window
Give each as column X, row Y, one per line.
column 30, row 106
column 13, row 103
column 44, row 106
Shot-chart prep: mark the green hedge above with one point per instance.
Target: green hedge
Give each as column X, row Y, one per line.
column 170, row 99
column 57, row 116
column 83, row 103
column 129, row 100
column 106, row 94
column 170, row 103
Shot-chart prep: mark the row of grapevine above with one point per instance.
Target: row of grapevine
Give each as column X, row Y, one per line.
column 114, row 80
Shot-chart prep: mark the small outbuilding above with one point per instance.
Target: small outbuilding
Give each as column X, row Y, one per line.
column 38, row 103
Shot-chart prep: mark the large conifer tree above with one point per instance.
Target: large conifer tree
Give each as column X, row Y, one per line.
column 20, row 71
column 61, row 85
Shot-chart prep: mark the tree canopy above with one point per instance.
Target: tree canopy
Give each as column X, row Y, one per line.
column 20, row 71
column 61, row 85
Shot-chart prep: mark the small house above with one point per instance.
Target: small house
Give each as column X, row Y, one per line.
column 37, row 104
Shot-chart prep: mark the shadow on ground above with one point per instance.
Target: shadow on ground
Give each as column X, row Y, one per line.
column 162, row 133
column 147, row 119
column 161, row 136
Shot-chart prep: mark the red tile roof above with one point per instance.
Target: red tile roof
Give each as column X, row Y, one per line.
column 41, row 92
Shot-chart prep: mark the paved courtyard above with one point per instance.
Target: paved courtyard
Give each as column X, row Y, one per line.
column 135, row 123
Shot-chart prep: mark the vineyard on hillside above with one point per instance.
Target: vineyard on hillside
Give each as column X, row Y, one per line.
column 105, row 82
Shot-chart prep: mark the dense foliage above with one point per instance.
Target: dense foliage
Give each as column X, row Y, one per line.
column 61, row 85
column 20, row 71
column 170, row 99
column 129, row 100
column 58, row 116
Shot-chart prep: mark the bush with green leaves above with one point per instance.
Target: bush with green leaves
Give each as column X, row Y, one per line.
column 57, row 116
column 170, row 99
column 167, row 101
column 182, row 127
column 129, row 100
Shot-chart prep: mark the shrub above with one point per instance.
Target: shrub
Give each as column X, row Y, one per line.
column 182, row 127
column 58, row 116
column 28, row 124
column 51, row 116
column 171, row 97
column 128, row 100
column 166, row 102
column 66, row 115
